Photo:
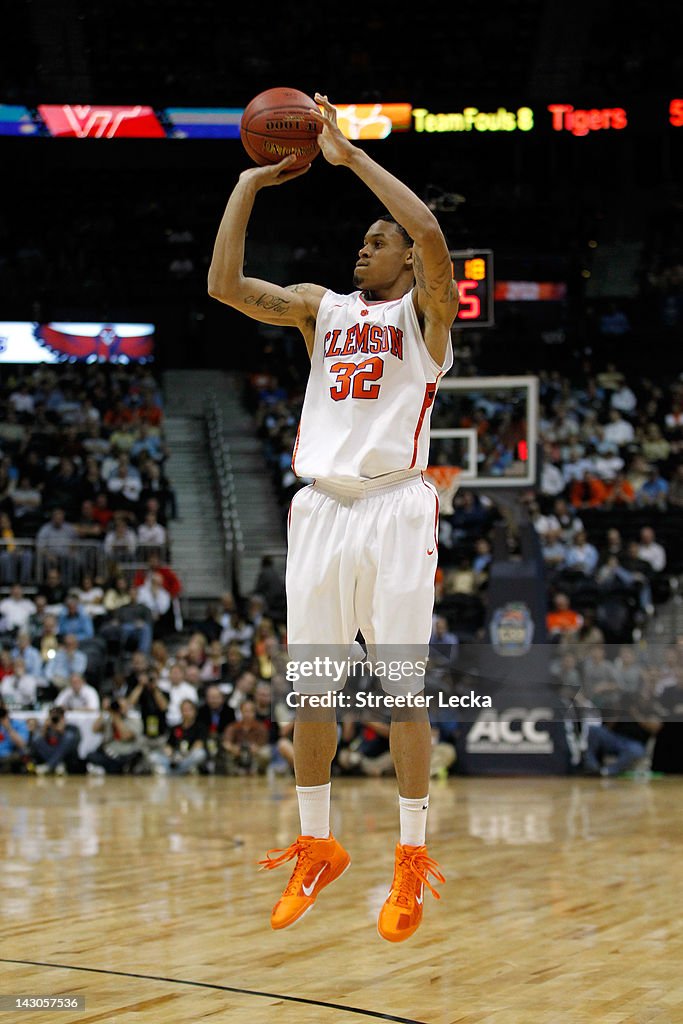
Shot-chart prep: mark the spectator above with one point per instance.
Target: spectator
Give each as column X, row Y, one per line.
column 54, row 590
column 582, row 556
column 29, row 655
column 177, row 690
column 588, row 492
column 154, row 596
column 117, row 596
column 19, row 689
column 271, row 586
column 604, row 742
column 14, row 742
column 185, row 750
column 562, row 621
column 151, row 534
column 168, row 577
column 214, row 716
column 650, row 551
column 120, row 543
column 91, row 597
column 16, row 610
column 54, row 747
column 67, row 662
column 121, row 746
column 74, row 620
column 245, row 743
column 16, row 561
column 78, row 695
column 618, row 430
column 146, row 695
column 654, row 491
column 57, row 538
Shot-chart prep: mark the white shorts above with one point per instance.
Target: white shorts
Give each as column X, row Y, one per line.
column 362, row 557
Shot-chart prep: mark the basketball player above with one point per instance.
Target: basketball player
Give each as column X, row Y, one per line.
column 362, row 537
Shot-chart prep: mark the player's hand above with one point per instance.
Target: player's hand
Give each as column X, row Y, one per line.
column 273, row 174
column 335, row 147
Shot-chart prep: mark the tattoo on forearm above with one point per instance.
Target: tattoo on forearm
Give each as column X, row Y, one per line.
column 272, row 303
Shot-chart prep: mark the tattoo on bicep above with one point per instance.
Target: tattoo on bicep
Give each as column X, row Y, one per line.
column 418, row 268
column 296, row 288
column 271, row 303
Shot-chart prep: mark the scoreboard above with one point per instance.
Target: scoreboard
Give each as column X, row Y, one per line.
column 473, row 271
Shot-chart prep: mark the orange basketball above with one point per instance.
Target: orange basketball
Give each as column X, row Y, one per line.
column 278, row 122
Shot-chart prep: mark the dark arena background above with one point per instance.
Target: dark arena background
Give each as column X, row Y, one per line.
column 146, row 433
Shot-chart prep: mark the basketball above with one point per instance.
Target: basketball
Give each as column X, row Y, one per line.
column 278, row 122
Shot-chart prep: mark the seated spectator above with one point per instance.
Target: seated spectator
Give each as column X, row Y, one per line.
column 130, row 626
column 569, row 522
column 67, row 662
column 124, row 486
column 588, row 492
column 215, row 715
column 91, row 597
column 117, row 595
column 54, row 744
column 651, row 551
column 185, row 749
column 246, row 744
column 177, row 690
column 120, row 542
column 145, row 694
column 28, row 654
column 620, row 493
column 89, row 526
column 75, row 620
column 16, row 609
column 600, row 683
column 554, row 551
column 151, row 534
column 149, row 442
column 19, row 689
column 168, row 576
column 654, row 445
column 78, row 695
column 562, row 621
column 121, row 746
column 582, row 556
column 154, row 596
column 56, row 539
column 14, row 742
column 654, row 492
column 618, row 430
column 54, row 590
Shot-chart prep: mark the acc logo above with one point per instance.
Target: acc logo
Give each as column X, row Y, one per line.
column 512, row 629
column 513, row 731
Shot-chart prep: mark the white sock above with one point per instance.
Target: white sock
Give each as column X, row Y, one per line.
column 314, row 810
column 413, row 814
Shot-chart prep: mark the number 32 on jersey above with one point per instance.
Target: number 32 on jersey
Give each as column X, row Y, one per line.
column 357, row 379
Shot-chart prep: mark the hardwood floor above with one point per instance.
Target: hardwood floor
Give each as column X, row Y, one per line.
column 562, row 903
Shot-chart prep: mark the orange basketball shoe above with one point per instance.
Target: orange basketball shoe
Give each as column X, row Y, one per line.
column 319, row 862
column 401, row 913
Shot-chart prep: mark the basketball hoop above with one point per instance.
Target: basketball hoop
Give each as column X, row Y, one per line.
column 446, row 479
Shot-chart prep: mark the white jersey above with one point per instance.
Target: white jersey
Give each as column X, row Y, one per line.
column 370, row 391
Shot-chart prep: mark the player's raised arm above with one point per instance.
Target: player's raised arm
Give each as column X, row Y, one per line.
column 270, row 303
column 436, row 292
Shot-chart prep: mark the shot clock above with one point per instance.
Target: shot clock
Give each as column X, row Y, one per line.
column 473, row 270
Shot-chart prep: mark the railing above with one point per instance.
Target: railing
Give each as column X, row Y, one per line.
column 23, row 561
column 225, row 492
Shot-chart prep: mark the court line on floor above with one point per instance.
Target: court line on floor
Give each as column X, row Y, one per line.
column 375, row 1014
